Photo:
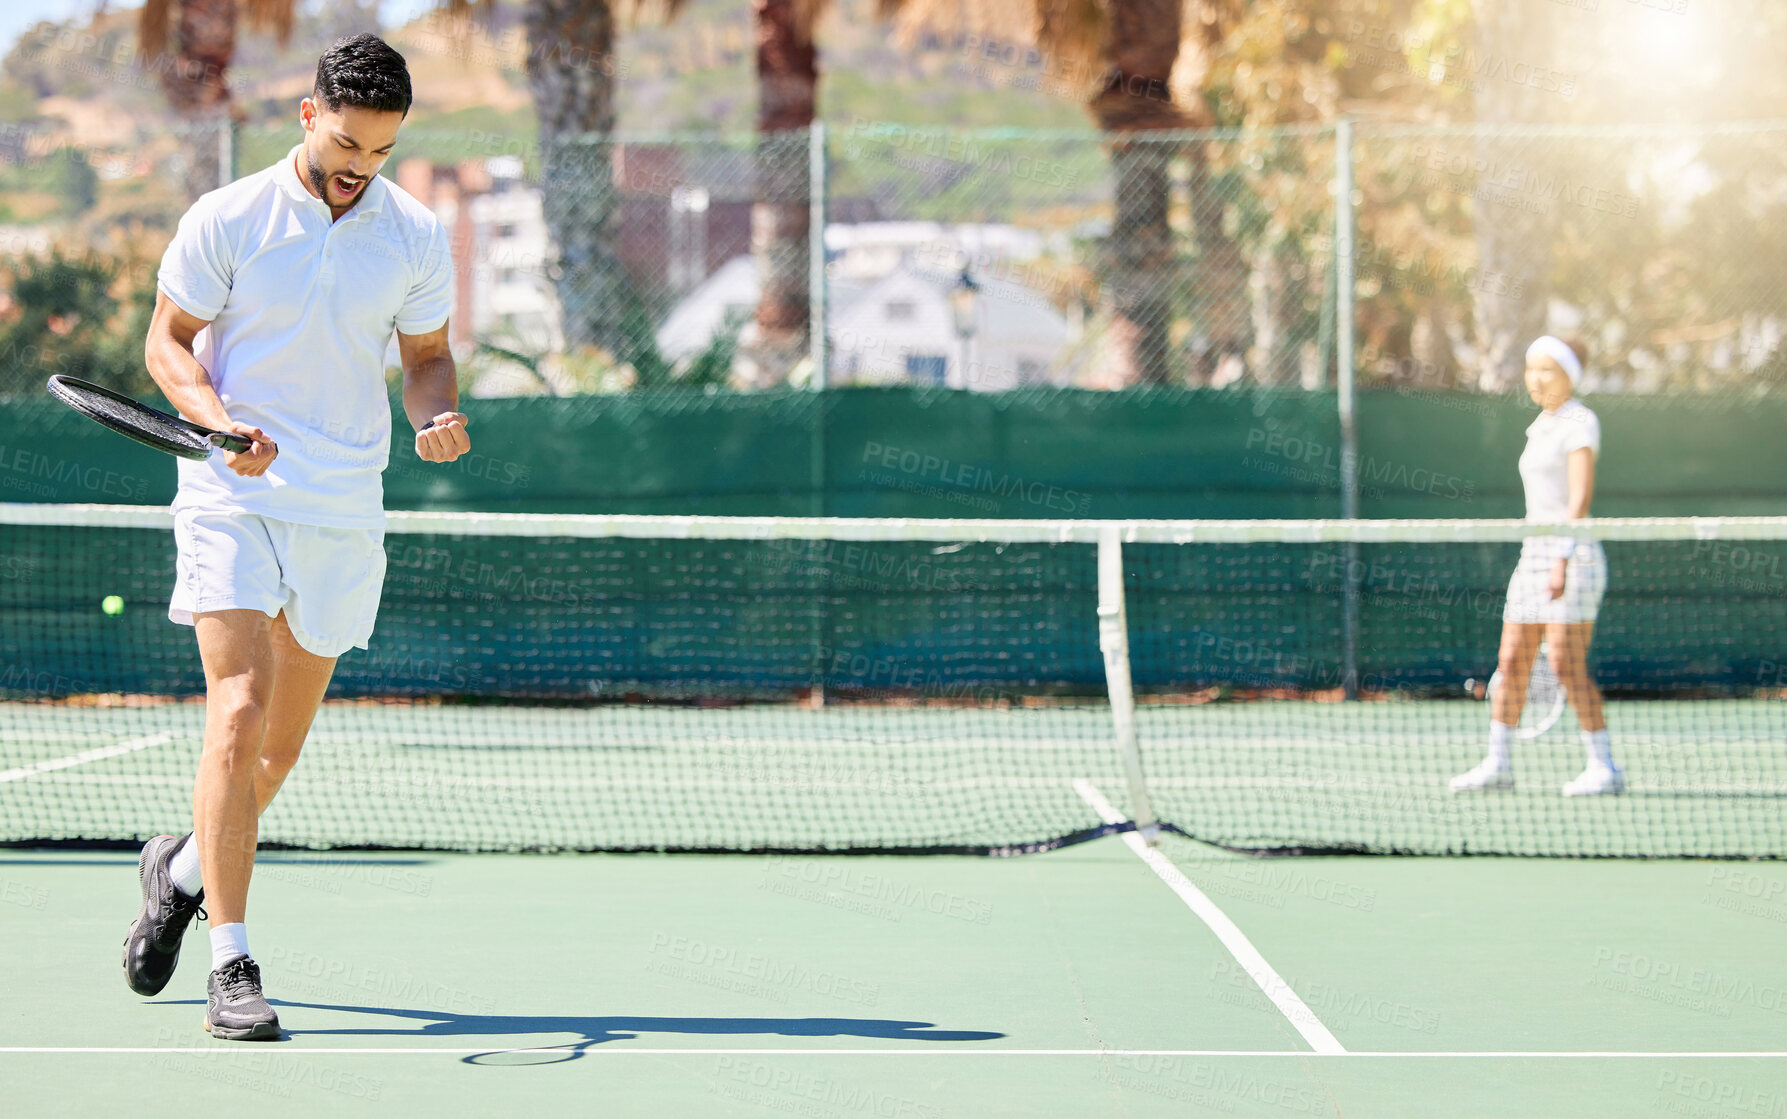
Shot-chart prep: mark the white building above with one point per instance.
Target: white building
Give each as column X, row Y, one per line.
column 872, row 249
column 889, row 303
column 512, row 293
column 725, row 300
column 901, row 330
column 889, row 313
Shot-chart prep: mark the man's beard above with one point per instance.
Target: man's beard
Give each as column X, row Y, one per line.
column 319, row 179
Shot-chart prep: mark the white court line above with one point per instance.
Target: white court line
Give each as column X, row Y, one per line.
column 85, row 756
column 611, row 1049
column 1276, row 989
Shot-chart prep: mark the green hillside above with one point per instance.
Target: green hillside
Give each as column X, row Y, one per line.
column 696, row 73
column 82, row 93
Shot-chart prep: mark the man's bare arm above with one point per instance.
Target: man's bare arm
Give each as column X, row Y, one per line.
column 431, row 395
column 169, row 355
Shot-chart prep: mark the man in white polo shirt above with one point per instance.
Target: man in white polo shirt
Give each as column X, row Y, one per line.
column 278, row 298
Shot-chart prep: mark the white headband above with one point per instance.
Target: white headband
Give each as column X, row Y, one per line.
column 1555, row 349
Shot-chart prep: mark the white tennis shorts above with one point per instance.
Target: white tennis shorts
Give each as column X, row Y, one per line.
column 326, row 580
column 1529, row 591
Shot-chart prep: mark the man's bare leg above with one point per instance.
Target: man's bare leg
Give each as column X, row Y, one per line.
column 300, row 679
column 237, row 650
column 264, row 691
column 170, row 866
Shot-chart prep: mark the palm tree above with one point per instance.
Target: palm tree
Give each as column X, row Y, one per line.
column 1132, row 46
column 570, row 48
column 1137, row 50
column 197, row 38
column 787, row 99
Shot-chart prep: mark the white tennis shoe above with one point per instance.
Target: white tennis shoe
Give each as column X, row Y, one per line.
column 1487, row 775
column 1597, row 780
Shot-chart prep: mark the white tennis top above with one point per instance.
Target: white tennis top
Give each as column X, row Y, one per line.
column 1544, row 465
column 301, row 310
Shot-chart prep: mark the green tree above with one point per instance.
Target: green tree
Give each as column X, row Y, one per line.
column 72, row 178
column 64, row 318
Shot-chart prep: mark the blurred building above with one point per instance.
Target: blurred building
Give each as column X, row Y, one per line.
column 684, row 212
column 894, row 313
column 512, row 292
column 894, row 307
column 679, row 219
column 907, row 328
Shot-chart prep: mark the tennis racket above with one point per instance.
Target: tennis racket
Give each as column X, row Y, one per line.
column 1544, row 697
column 135, row 420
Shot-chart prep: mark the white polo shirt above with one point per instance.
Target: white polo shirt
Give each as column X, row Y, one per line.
column 1545, row 465
column 301, row 311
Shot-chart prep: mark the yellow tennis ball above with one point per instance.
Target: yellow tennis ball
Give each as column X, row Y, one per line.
column 112, row 604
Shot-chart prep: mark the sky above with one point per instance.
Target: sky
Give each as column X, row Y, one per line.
column 21, row 14
column 18, row 15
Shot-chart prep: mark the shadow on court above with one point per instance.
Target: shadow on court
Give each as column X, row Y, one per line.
column 596, row 1030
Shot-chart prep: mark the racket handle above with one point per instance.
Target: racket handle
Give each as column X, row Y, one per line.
column 229, row 442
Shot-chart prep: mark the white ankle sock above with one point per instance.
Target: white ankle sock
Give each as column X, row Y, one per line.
column 184, row 867
column 1599, row 747
column 1501, row 736
column 228, row 942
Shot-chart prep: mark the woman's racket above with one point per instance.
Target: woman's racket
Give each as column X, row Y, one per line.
column 149, row 426
column 1544, row 704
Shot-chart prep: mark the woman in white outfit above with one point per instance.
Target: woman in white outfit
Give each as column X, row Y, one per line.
column 1556, row 589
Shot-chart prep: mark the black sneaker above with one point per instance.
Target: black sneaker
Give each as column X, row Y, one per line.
column 152, row 947
column 237, row 1011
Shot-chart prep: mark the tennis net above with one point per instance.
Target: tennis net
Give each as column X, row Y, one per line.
column 673, row 683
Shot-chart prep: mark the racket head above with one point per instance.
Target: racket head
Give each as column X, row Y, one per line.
column 134, row 420
column 1544, row 698
column 1544, row 704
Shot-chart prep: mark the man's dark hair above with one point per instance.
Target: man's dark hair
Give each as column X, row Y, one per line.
column 362, row 72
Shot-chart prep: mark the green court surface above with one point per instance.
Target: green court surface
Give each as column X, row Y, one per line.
column 1084, row 982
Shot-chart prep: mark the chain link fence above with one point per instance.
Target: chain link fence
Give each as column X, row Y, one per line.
column 1660, row 248
column 867, row 253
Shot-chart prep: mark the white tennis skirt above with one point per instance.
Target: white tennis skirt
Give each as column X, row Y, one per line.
column 1529, row 591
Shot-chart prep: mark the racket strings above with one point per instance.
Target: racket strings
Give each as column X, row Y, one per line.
column 140, row 422
column 147, row 422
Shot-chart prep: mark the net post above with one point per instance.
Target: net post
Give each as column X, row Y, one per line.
column 1343, row 317
column 1344, row 400
column 1113, row 641
column 816, row 326
column 816, row 308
